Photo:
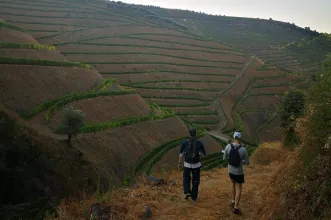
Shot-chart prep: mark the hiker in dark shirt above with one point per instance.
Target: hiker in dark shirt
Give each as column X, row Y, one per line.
column 235, row 168
column 191, row 150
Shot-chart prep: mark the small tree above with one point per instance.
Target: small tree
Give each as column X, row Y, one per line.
column 292, row 108
column 72, row 122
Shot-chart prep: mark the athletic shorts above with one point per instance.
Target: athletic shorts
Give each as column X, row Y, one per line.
column 237, row 178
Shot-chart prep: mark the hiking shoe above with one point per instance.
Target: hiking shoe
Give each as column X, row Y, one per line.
column 187, row 195
column 194, row 202
column 235, row 211
column 232, row 204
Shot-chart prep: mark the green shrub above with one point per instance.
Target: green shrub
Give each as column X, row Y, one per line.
column 10, row 26
column 72, row 122
column 27, row 46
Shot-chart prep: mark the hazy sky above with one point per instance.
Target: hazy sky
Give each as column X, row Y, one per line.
column 315, row 14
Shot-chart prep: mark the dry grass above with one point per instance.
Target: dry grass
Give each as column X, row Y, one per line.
column 166, row 201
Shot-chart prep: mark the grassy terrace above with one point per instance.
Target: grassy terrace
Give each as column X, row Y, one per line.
column 13, row 27
column 69, row 8
column 168, row 71
column 151, row 54
column 27, row 46
column 22, row 61
column 98, row 90
column 147, row 46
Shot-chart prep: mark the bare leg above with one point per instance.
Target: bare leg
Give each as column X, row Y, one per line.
column 238, row 187
column 233, row 191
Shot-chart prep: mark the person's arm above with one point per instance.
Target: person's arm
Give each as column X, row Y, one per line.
column 246, row 159
column 181, row 154
column 202, row 150
column 225, row 155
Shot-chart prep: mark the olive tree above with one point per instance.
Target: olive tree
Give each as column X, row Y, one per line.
column 72, row 122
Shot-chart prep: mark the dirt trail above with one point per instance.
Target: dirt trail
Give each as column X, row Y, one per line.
column 167, row 203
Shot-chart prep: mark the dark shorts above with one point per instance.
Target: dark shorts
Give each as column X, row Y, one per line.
column 237, row 178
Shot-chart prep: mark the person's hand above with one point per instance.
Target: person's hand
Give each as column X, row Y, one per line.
column 179, row 165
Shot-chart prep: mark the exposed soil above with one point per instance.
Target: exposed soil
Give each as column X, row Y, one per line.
column 251, row 121
column 184, row 93
column 174, row 101
column 108, row 31
column 119, row 68
column 197, row 85
column 276, row 90
column 189, row 41
column 170, row 160
column 271, row 132
column 145, row 77
column 44, row 27
column 259, row 102
column 33, row 54
column 92, row 58
column 169, row 51
column 229, row 99
column 147, row 42
column 83, row 22
column 23, row 87
column 105, row 109
column 203, row 117
column 276, row 81
column 13, row 36
column 103, row 150
column 194, row 109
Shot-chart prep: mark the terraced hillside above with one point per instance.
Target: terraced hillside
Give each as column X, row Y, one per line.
column 258, row 37
column 141, row 80
column 37, row 82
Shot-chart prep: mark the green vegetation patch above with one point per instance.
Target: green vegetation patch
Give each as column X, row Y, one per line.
column 27, row 46
column 64, row 101
column 168, row 71
column 13, row 27
column 151, row 54
column 22, row 61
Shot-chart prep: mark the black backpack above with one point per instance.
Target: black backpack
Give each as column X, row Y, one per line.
column 234, row 156
column 192, row 152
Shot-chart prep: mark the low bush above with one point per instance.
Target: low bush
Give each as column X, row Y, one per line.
column 27, row 46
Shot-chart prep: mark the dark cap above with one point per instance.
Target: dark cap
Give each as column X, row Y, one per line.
column 193, row 132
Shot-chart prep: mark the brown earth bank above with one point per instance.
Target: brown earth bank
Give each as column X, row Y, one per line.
column 33, row 54
column 38, row 171
column 102, row 109
column 210, row 108
column 37, row 34
column 235, row 93
column 271, row 131
column 170, row 49
column 259, row 102
column 146, row 42
column 173, row 101
column 276, row 81
column 202, row 117
column 45, row 27
column 214, row 198
column 12, row 36
column 183, row 93
column 72, row 21
column 25, row 87
column 188, row 40
column 119, row 68
column 95, row 58
column 273, row 90
column 87, row 35
column 170, row 160
column 196, row 85
column 146, row 77
column 113, row 152
column 251, row 122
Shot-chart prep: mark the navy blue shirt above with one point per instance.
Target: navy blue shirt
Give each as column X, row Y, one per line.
column 199, row 144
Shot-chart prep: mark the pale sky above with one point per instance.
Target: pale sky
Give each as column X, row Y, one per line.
column 315, row 14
